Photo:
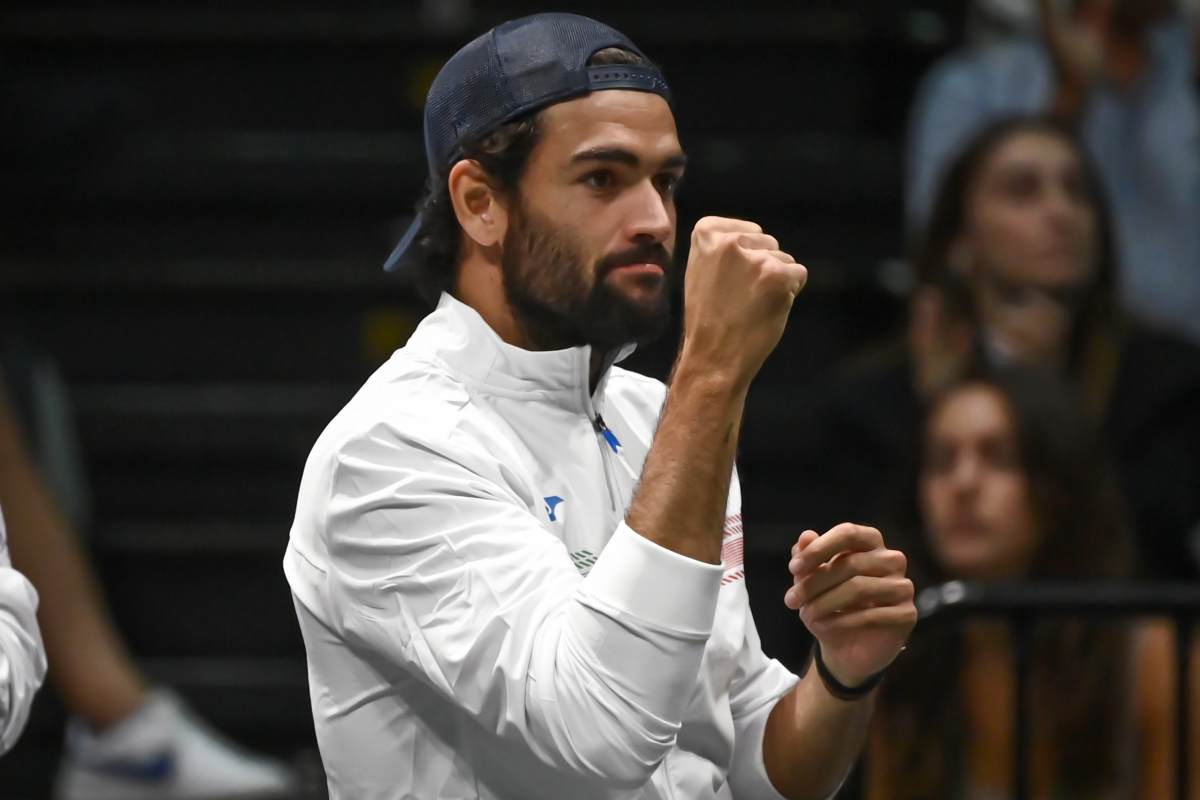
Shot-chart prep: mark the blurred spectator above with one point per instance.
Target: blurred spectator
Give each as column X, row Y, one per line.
column 1017, row 265
column 991, row 21
column 1125, row 73
column 1013, row 486
column 126, row 740
column 22, row 658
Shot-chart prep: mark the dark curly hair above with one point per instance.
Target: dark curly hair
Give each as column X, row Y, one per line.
column 503, row 153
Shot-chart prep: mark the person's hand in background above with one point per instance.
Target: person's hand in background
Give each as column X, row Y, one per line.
column 940, row 340
column 1026, row 325
column 1078, row 53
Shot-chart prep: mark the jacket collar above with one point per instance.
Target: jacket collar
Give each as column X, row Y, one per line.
column 458, row 336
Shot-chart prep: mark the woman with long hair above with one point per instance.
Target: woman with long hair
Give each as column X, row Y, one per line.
column 1018, row 266
column 1013, row 486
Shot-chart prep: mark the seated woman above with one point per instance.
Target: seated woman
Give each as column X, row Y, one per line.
column 1013, row 486
column 1018, row 266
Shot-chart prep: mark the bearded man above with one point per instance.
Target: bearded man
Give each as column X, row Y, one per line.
column 518, row 567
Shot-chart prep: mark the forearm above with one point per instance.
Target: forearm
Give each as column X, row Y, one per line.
column 680, row 501
column 812, row 739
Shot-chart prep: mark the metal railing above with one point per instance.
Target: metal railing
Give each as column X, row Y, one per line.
column 1022, row 605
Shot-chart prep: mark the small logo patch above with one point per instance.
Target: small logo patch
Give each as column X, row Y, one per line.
column 584, row 560
column 552, row 504
column 151, row 769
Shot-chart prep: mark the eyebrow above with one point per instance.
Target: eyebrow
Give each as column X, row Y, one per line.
column 619, row 155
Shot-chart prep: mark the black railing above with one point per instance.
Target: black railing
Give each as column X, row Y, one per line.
column 1024, row 604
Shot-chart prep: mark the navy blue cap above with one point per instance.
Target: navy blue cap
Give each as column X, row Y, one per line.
column 518, row 67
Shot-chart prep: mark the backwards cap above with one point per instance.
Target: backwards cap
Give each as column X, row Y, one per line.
column 516, row 68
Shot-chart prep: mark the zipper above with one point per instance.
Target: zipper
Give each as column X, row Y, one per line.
column 610, row 447
column 606, row 439
column 613, row 444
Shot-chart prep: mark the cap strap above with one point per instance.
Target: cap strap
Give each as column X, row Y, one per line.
column 628, row 76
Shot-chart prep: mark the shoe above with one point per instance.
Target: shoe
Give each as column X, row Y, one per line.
column 163, row 752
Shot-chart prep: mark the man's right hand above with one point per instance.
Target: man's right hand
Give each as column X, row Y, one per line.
column 738, row 291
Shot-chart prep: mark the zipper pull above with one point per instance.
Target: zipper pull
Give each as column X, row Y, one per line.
column 608, row 435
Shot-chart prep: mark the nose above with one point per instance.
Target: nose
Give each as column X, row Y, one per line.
column 649, row 214
column 966, row 474
column 1061, row 208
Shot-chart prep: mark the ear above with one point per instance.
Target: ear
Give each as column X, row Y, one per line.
column 477, row 204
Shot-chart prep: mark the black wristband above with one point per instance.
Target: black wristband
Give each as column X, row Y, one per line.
column 836, row 687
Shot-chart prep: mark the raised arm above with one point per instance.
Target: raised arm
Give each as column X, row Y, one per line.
column 738, row 292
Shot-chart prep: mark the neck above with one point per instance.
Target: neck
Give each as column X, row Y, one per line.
column 480, row 286
column 600, row 358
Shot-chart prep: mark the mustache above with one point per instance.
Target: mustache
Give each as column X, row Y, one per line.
column 648, row 253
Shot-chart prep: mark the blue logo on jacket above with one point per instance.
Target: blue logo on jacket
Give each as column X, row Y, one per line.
column 552, row 503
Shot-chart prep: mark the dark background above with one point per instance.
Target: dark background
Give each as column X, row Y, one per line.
column 197, row 199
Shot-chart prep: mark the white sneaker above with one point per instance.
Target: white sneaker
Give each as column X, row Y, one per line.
column 163, row 752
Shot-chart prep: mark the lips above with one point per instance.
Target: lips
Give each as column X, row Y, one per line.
column 647, row 259
column 647, row 268
column 966, row 528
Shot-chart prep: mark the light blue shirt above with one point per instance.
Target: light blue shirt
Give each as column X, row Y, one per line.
column 1145, row 140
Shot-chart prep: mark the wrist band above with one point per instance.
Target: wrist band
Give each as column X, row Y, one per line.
column 839, row 689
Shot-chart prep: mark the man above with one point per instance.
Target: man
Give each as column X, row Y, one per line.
column 514, row 577
column 1124, row 72
column 22, row 657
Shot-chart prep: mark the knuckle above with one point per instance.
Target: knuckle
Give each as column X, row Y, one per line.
column 842, row 528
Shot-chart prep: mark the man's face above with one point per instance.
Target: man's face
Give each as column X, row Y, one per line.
column 587, row 255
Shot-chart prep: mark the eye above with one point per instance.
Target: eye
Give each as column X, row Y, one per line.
column 1022, row 186
column 1002, row 455
column 600, row 179
column 668, row 183
column 940, row 460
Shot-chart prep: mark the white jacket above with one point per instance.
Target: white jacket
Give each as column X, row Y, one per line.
column 22, row 657
column 480, row 622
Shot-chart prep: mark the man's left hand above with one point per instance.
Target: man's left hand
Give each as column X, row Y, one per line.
column 852, row 593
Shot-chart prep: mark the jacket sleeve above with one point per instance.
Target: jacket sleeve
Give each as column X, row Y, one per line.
column 437, row 565
column 22, row 658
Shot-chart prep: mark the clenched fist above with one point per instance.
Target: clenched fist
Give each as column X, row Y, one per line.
column 738, row 291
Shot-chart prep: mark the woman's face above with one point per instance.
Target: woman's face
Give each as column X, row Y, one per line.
column 974, row 495
column 1029, row 245
column 1031, row 215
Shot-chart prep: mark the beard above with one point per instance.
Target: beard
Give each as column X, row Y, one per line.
column 546, row 281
